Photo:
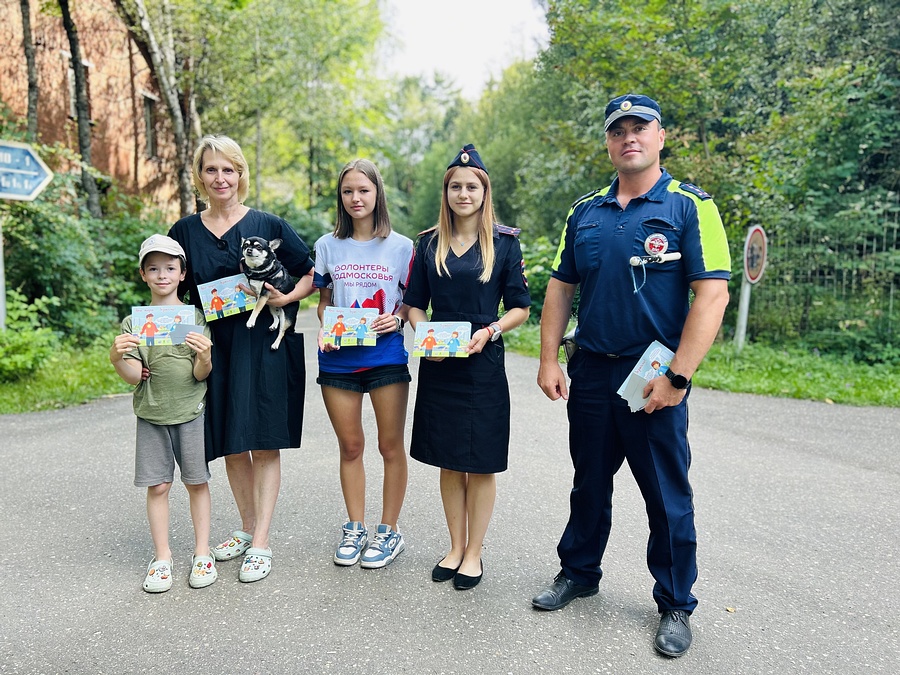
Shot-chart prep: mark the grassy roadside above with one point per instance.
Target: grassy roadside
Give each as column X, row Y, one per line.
column 769, row 371
column 72, row 377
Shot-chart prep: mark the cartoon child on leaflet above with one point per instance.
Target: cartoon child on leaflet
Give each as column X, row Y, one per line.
column 217, row 304
column 149, row 330
column 240, row 297
column 338, row 329
column 453, row 343
column 655, row 370
column 361, row 330
column 429, row 343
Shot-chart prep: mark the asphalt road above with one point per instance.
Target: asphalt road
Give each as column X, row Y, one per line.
column 798, row 517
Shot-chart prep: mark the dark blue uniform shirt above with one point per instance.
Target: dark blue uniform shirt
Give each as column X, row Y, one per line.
column 599, row 240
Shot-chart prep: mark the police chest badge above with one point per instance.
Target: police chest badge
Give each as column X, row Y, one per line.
column 656, row 244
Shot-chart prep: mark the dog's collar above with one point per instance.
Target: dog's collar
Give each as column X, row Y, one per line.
column 258, row 271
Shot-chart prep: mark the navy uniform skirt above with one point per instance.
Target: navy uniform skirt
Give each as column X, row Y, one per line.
column 461, row 418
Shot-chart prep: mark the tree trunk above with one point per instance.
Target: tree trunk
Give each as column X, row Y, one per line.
column 257, row 164
column 704, row 141
column 28, row 45
column 82, row 113
column 161, row 58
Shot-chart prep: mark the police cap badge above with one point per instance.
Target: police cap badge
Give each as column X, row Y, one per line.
column 468, row 156
column 632, row 105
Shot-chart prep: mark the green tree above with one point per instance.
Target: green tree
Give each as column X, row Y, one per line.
column 297, row 97
column 412, row 142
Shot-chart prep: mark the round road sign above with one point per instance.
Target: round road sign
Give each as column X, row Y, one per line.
column 755, row 251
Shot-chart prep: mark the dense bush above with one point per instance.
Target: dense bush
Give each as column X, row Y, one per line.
column 54, row 249
column 309, row 224
column 26, row 342
column 538, row 255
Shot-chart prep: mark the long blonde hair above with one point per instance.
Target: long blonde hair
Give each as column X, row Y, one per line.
column 485, row 227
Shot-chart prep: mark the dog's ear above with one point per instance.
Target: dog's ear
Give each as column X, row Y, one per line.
column 243, row 241
column 275, row 243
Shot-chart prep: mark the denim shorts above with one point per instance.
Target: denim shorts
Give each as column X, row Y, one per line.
column 364, row 381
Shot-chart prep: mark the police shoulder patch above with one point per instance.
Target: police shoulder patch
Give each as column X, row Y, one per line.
column 600, row 192
column 694, row 190
column 505, row 229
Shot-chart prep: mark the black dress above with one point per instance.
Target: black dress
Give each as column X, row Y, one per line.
column 461, row 417
column 254, row 395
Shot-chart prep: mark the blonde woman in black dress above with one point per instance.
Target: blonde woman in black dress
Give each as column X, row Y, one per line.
column 255, row 394
column 463, row 268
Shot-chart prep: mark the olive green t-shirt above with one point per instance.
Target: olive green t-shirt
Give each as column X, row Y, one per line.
column 171, row 395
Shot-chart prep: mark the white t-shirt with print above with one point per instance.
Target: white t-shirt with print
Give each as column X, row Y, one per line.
column 370, row 273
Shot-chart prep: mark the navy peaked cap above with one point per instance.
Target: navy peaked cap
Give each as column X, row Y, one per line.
column 468, row 156
column 632, row 105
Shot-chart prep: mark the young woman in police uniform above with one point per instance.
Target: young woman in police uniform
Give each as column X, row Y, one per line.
column 464, row 267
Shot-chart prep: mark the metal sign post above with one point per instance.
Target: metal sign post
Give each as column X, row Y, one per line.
column 755, row 252
column 23, row 175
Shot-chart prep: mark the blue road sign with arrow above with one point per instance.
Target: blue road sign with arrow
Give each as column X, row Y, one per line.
column 23, row 175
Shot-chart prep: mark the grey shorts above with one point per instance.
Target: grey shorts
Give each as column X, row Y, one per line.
column 158, row 447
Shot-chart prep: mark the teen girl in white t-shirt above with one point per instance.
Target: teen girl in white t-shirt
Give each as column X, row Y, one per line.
column 363, row 263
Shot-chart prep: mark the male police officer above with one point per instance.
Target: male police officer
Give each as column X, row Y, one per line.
column 636, row 249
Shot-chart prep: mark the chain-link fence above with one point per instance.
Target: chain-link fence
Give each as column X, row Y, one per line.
column 836, row 292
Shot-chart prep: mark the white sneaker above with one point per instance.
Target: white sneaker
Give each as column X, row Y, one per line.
column 386, row 546
column 352, row 544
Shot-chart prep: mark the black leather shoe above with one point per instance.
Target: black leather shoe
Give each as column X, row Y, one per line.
column 674, row 635
column 561, row 593
column 443, row 573
column 463, row 582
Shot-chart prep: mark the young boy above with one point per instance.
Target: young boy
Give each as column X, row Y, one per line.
column 169, row 405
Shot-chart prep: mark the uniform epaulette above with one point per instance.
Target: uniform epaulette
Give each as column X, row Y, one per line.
column 506, row 229
column 589, row 196
column 694, row 190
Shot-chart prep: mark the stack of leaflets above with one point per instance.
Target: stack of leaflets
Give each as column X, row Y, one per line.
column 349, row 326
column 442, row 338
column 653, row 362
column 226, row 296
column 157, row 325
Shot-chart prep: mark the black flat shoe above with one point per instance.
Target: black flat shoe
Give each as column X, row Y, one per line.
column 463, row 582
column 443, row 573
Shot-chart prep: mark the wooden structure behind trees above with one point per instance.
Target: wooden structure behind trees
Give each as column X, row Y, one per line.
column 157, row 46
column 131, row 140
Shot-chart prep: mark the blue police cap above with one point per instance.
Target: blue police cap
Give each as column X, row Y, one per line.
column 468, row 156
column 632, row 105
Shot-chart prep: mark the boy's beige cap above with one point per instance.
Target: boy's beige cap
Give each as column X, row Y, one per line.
column 160, row 243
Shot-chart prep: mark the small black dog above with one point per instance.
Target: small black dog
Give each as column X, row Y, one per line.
column 261, row 266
